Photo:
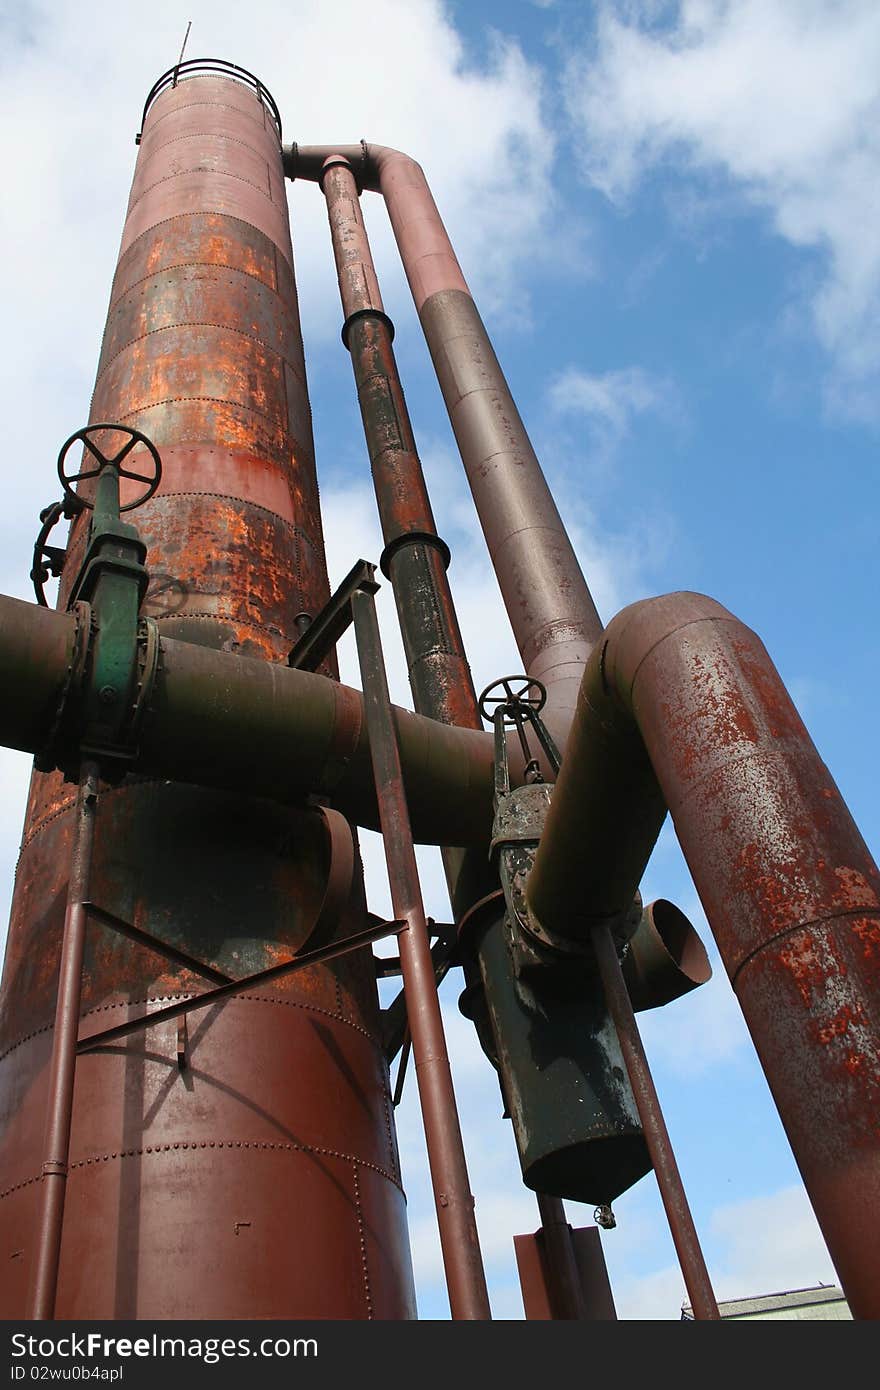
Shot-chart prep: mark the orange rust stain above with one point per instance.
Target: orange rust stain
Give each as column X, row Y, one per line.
column 867, row 929
column 855, row 889
column 809, row 968
column 840, row 1024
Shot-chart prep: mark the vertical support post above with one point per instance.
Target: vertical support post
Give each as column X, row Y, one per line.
column 557, row 1241
column 62, row 1069
column 678, row 1212
column 463, row 1263
column 415, row 557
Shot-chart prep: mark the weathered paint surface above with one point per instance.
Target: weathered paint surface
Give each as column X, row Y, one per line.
column 683, row 704
column 260, row 1180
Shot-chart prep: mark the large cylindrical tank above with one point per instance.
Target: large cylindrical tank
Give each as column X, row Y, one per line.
column 261, row 1179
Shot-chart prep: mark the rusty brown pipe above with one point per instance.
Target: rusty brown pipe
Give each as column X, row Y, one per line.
column 550, row 608
column 680, row 704
column 415, row 558
column 665, row 957
column 242, row 724
column 462, row 1258
column 62, row 1070
column 675, row 1202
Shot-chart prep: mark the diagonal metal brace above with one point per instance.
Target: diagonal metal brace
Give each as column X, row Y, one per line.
column 334, row 619
column 152, row 943
column 226, row 991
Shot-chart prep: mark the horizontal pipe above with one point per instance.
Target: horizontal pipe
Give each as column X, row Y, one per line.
column 681, row 705
column 36, row 652
column 243, row 724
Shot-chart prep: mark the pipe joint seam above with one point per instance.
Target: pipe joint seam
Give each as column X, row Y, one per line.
column 377, row 314
column 428, row 538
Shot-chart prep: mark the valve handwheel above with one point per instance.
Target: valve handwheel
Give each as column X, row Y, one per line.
column 517, row 691
column 149, row 479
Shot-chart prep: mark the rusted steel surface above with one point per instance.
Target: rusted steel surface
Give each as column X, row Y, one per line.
column 558, row 1250
column 257, row 728
column 36, row 653
column 62, row 1069
column 665, row 957
column 180, row 145
column 415, row 558
column 260, row 1178
column 462, row 1259
column 542, row 1298
column 550, row 608
column 682, row 696
column 675, row 1202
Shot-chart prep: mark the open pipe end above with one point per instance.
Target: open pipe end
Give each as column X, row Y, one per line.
column 666, row 957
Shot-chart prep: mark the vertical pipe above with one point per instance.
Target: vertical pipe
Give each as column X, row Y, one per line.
column 415, row 558
column 62, row 1068
column 549, row 605
column 681, row 1223
column 560, row 1254
column 462, row 1260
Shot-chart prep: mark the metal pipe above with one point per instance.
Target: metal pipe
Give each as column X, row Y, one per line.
column 459, row 1240
column 415, row 558
column 681, row 705
column 560, row 1255
column 665, row 957
column 675, row 1202
column 62, row 1068
column 552, row 613
column 241, row 724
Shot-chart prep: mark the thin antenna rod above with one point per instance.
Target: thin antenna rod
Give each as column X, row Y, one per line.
column 182, row 47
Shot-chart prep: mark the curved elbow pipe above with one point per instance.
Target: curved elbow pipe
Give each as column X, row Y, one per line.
column 680, row 705
column 550, row 608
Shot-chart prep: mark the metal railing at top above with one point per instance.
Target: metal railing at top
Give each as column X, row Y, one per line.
column 194, row 66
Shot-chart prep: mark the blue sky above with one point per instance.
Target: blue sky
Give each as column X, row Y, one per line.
column 668, row 214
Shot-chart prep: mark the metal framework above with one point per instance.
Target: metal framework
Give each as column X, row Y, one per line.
column 189, row 674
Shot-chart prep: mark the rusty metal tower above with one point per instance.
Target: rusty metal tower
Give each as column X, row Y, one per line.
column 194, row 1068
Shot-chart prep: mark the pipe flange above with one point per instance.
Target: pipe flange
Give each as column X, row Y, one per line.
column 336, row 161
column 429, row 538
column 369, row 313
column 147, row 665
column 50, row 756
column 482, row 913
column 622, row 928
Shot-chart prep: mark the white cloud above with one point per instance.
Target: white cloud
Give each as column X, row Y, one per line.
column 766, row 1244
column 772, row 1243
column 610, row 400
column 782, row 97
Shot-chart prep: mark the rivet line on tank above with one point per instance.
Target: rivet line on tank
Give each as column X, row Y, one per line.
column 224, row 173
column 192, row 265
column 194, row 1145
column 362, row 1240
column 193, row 323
